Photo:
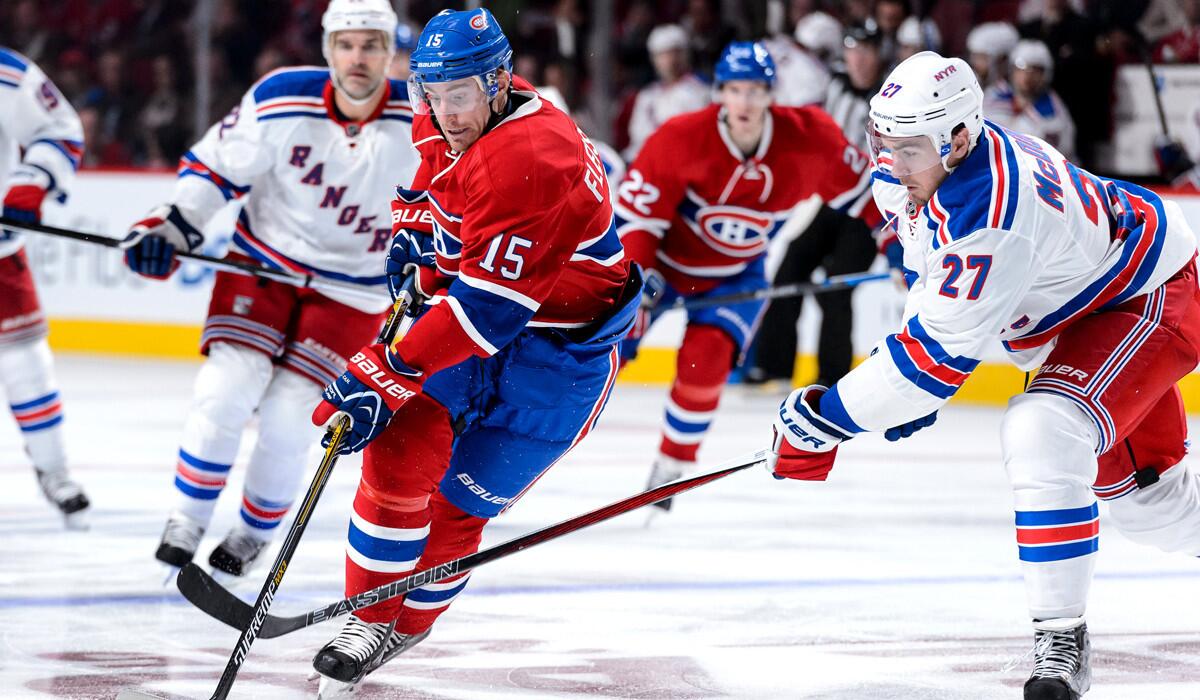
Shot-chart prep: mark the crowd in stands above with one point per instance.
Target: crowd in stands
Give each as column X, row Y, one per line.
column 128, row 65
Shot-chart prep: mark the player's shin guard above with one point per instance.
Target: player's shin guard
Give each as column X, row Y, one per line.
column 453, row 534
column 228, row 388
column 704, row 362
column 279, row 460
column 386, row 538
column 1049, row 453
column 27, row 374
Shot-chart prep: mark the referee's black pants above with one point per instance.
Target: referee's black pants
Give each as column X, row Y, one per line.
column 841, row 244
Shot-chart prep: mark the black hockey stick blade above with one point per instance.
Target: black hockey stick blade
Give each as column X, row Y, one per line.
column 208, row 595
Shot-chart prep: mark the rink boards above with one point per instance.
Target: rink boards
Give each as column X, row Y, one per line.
column 95, row 305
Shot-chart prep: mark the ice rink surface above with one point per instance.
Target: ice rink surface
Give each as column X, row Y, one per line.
column 896, row 579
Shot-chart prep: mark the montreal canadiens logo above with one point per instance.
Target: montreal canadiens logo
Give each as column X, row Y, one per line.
column 733, row 230
column 478, row 22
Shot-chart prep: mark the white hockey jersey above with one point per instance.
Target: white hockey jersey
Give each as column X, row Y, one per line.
column 1046, row 118
column 35, row 118
column 1016, row 244
column 317, row 190
column 802, row 79
column 656, row 103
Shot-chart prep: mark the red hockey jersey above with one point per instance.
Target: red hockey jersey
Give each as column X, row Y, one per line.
column 524, row 232
column 692, row 207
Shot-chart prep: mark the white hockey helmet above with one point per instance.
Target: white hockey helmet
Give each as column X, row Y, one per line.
column 347, row 15
column 819, row 32
column 1031, row 53
column 666, row 37
column 995, row 39
column 922, row 34
column 929, row 96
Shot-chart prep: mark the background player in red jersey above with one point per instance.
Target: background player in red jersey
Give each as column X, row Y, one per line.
column 512, row 357
column 697, row 210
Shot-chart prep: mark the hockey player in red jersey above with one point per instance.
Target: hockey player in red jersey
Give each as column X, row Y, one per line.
column 697, row 209
column 511, row 360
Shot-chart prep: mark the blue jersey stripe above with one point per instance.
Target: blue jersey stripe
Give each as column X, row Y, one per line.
column 834, row 411
column 1010, row 156
column 12, row 59
column 912, row 373
column 936, row 351
column 497, row 319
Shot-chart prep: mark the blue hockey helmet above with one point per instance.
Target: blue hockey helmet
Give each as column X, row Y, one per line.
column 455, row 45
column 406, row 38
column 745, row 60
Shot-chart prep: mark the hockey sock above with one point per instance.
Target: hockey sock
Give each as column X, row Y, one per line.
column 452, row 534
column 27, row 374
column 704, row 362
column 285, row 435
column 228, row 388
column 391, row 520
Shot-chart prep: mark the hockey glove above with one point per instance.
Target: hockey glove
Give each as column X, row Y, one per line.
column 27, row 189
column 374, row 386
column 906, row 430
column 653, row 287
column 805, row 444
column 151, row 244
column 412, row 250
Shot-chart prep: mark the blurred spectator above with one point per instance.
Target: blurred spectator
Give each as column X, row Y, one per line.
column 821, row 34
column 1027, row 104
column 856, row 12
column 71, row 76
column 163, row 117
column 1082, row 77
column 406, row 41
column 676, row 91
column 916, row 35
column 850, row 92
column 114, row 103
column 1182, row 45
column 269, row 59
column 888, row 16
column 988, row 47
column 706, row 34
column 802, row 78
column 27, row 32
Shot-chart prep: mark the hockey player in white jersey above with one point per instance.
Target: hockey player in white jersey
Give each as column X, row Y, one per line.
column 1092, row 280
column 41, row 142
column 313, row 155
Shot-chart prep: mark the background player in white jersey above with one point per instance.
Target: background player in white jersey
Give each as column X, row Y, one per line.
column 1093, row 280
column 314, row 155
column 677, row 89
column 41, row 142
column 1026, row 102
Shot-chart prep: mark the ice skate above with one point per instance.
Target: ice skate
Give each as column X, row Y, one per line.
column 180, row 539
column 665, row 469
column 358, row 650
column 66, row 495
column 1061, row 660
column 237, row 552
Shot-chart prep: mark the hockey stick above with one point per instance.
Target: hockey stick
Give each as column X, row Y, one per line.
column 208, row 595
column 258, row 614
column 832, row 284
column 241, row 268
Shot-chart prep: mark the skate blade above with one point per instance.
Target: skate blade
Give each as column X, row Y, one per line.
column 330, row 689
column 79, row 521
column 169, row 574
column 655, row 512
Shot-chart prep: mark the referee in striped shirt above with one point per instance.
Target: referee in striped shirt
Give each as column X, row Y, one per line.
column 839, row 243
